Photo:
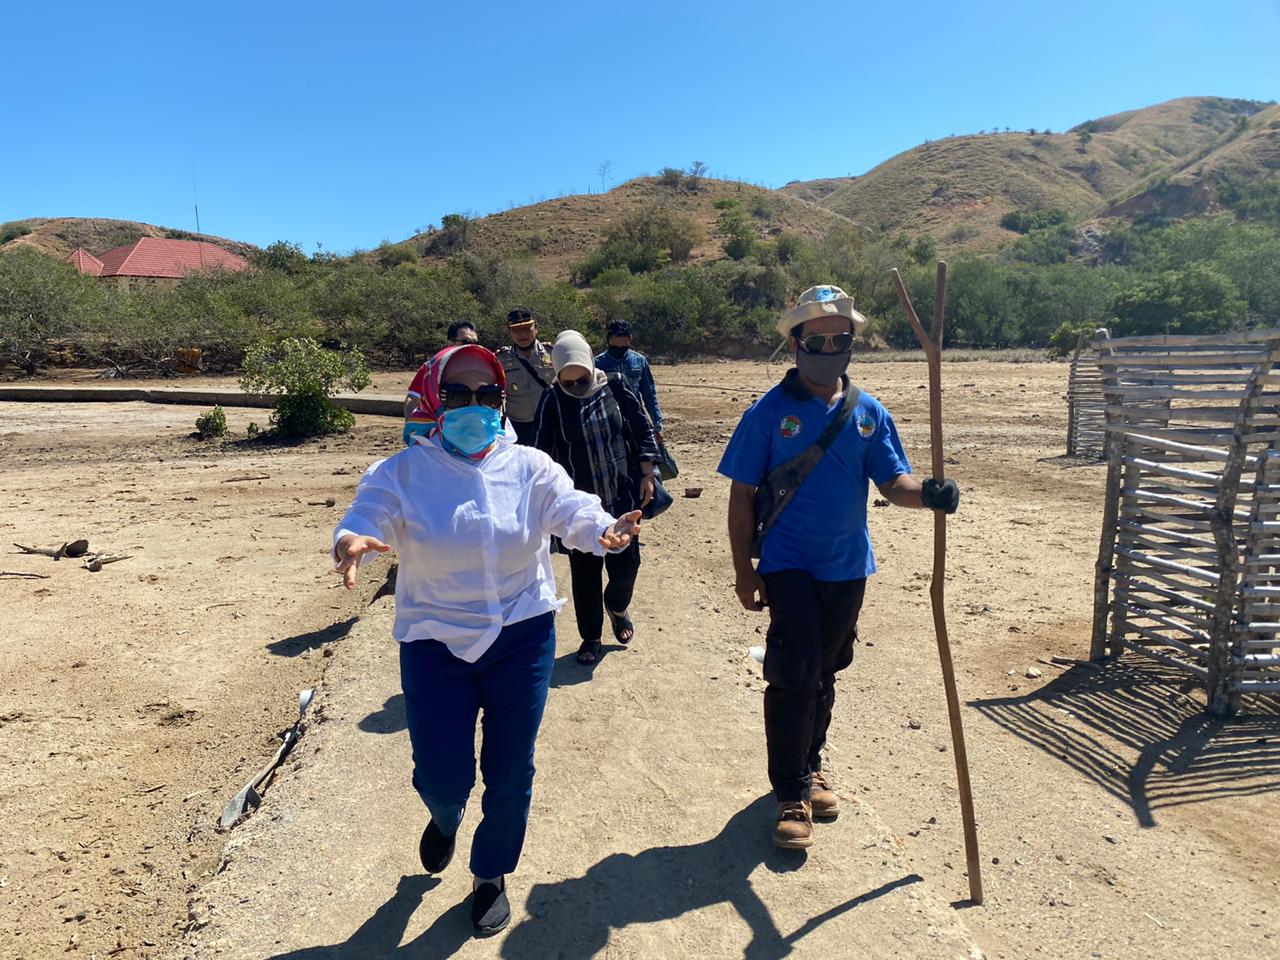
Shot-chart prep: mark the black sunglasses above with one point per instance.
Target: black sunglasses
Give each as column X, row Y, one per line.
column 458, row 395
column 582, row 381
column 840, row 342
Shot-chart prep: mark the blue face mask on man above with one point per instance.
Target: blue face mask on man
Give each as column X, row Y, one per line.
column 471, row 430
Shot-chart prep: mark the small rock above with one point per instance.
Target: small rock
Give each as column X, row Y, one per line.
column 877, row 502
column 913, row 723
column 1034, row 673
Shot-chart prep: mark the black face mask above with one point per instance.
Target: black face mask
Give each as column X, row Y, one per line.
column 823, row 369
column 618, row 353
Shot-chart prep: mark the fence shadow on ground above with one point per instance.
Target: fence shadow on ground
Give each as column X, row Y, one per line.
column 1136, row 729
column 1069, row 461
column 572, row 919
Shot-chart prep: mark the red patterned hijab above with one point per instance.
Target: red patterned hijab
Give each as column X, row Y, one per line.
column 429, row 409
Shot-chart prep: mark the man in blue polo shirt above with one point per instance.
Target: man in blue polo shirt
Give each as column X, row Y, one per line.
column 815, row 559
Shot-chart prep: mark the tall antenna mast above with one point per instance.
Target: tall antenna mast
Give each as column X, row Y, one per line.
column 195, row 199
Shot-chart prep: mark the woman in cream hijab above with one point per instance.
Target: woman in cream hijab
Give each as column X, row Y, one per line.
column 593, row 425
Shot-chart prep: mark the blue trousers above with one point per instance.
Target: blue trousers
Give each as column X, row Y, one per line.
column 443, row 696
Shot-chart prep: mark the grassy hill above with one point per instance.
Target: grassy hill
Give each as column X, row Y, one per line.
column 60, row 236
column 555, row 234
column 1246, row 152
column 957, row 189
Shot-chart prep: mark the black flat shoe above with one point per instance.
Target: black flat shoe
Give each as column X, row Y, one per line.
column 490, row 910
column 435, row 850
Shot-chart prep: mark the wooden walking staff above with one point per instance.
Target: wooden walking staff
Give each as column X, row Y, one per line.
column 932, row 344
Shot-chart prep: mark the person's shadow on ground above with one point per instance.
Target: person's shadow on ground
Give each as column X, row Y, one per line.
column 572, row 919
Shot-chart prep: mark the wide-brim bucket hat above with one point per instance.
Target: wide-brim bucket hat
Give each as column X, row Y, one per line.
column 822, row 301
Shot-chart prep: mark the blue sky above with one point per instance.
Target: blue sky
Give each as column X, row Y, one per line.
column 348, row 123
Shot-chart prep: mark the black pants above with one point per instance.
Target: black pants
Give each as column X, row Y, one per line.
column 524, row 431
column 586, row 570
column 813, row 625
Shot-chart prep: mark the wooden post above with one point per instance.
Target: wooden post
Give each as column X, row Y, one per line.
column 931, row 342
column 1114, row 448
column 1071, row 403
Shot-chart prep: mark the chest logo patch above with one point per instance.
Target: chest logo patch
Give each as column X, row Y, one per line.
column 866, row 426
column 790, row 426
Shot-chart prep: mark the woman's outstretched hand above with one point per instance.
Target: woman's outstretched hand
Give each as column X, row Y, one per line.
column 623, row 529
column 350, row 549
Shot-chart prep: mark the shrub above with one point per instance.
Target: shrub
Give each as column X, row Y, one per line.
column 212, row 423
column 738, row 232
column 924, row 250
column 41, row 299
column 282, row 256
column 1024, row 221
column 643, row 240
column 671, row 178
column 13, row 230
column 763, row 206
column 389, row 255
column 788, row 247
column 303, row 376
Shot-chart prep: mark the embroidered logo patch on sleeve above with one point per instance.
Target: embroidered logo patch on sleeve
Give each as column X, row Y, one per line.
column 866, row 426
column 790, row 426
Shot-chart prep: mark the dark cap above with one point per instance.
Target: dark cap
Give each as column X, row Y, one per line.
column 619, row 328
column 520, row 315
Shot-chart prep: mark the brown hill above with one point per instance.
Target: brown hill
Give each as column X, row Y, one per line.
column 555, row 234
column 957, row 189
column 1247, row 152
column 61, row 236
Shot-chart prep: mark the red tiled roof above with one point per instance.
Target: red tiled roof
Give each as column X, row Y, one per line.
column 86, row 262
column 157, row 257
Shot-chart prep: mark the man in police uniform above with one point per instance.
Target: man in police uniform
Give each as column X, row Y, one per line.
column 527, row 363
column 815, row 559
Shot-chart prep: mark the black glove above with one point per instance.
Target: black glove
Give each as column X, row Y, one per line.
column 943, row 496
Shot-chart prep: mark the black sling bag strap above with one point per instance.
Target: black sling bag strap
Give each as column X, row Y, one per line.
column 780, row 484
column 532, row 372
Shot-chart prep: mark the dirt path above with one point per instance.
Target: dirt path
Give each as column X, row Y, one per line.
column 1116, row 821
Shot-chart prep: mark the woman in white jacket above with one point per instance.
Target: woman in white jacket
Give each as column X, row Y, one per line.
column 469, row 513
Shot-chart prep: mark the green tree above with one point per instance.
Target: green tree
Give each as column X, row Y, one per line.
column 303, row 377
column 41, row 300
column 739, row 234
column 284, row 257
column 1195, row 300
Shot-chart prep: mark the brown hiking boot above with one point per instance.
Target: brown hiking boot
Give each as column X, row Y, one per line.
column 793, row 828
column 822, row 797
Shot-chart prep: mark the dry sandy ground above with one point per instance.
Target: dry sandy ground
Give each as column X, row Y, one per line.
column 1115, row 819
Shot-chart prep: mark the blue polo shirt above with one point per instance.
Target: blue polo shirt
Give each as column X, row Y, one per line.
column 824, row 529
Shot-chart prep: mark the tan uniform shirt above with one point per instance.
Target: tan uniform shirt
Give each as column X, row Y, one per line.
column 523, row 391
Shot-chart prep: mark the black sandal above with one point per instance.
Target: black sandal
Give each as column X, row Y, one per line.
column 621, row 622
column 589, row 653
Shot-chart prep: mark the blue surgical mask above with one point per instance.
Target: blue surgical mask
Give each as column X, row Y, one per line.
column 470, row 430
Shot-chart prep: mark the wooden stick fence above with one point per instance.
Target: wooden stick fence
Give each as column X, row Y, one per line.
column 1188, row 567
column 1086, row 405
